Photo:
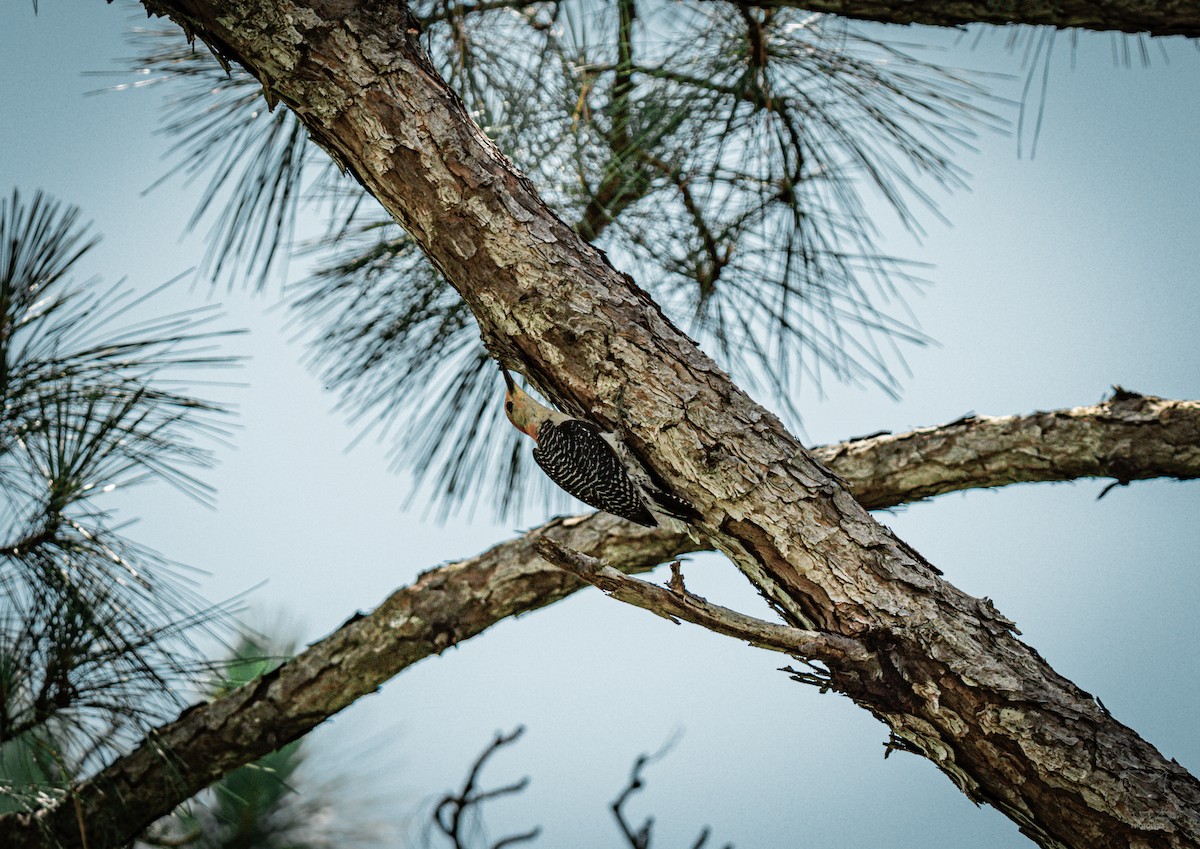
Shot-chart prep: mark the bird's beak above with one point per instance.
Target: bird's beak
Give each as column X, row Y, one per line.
column 518, row 406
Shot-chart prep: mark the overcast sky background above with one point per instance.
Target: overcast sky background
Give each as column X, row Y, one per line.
column 1059, row 276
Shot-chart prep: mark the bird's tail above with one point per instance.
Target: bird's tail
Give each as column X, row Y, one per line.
column 671, row 504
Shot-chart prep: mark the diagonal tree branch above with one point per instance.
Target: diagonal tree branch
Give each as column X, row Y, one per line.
column 1178, row 18
column 442, row 608
column 677, row 603
column 956, row 684
column 212, row 739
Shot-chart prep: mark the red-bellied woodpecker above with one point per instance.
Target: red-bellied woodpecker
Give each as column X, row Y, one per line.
column 584, row 461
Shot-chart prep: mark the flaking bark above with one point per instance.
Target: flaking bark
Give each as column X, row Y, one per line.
column 951, row 680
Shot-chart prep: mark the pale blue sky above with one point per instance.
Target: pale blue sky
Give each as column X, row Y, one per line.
column 1059, row 276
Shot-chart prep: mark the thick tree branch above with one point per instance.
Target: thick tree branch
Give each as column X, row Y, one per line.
column 1127, row 437
column 956, row 684
column 1181, row 17
column 443, row 607
column 1143, row 436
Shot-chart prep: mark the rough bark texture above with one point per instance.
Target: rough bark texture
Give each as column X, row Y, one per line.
column 953, row 681
column 1174, row 17
column 452, row 603
column 1128, row 437
column 443, row 607
column 948, row 675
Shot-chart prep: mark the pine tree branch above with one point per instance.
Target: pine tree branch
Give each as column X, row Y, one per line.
column 624, row 182
column 443, row 607
column 211, row 739
column 1177, row 18
column 448, row 11
column 1127, row 437
column 956, row 683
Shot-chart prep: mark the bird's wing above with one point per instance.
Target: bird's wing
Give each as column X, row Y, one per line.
column 577, row 458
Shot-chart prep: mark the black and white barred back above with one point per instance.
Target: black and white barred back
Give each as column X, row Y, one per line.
column 577, row 457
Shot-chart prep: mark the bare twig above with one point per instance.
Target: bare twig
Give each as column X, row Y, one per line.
column 451, row 811
column 640, row 838
column 677, row 603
